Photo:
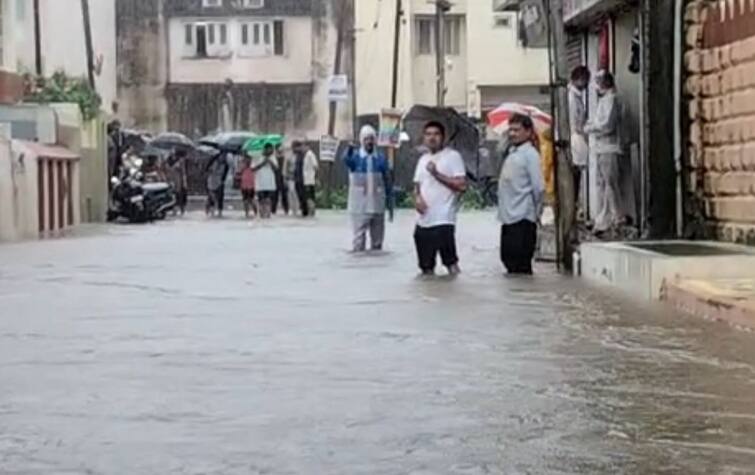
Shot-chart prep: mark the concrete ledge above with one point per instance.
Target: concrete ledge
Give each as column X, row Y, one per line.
column 641, row 269
column 727, row 300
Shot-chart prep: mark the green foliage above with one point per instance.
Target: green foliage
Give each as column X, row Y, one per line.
column 62, row 88
column 335, row 199
column 472, row 200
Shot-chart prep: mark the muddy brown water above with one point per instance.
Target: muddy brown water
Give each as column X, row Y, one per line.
column 224, row 347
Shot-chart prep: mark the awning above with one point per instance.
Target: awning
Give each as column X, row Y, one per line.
column 583, row 13
column 50, row 152
column 506, row 5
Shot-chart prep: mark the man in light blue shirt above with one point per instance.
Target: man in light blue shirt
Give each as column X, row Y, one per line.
column 521, row 190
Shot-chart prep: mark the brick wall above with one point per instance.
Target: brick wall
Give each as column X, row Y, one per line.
column 720, row 100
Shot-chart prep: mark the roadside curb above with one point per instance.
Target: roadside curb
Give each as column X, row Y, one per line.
column 721, row 300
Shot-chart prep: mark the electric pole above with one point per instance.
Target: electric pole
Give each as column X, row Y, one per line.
column 88, row 41
column 441, row 8
column 566, row 206
column 396, row 41
column 37, row 40
column 341, row 19
column 354, row 113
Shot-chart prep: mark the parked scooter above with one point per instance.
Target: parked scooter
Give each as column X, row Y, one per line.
column 137, row 201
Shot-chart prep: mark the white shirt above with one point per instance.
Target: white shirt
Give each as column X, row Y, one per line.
column 310, row 168
column 264, row 178
column 442, row 202
column 604, row 129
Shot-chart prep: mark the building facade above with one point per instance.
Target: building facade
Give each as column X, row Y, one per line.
column 484, row 62
column 62, row 43
column 719, row 122
column 211, row 65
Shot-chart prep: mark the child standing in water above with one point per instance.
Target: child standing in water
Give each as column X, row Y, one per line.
column 247, row 186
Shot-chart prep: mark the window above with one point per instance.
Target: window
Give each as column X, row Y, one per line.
column 201, row 50
column 212, row 3
column 278, row 36
column 425, row 39
column 202, row 40
column 211, row 34
column 252, row 3
column 502, row 21
column 453, row 33
column 245, row 34
column 262, row 38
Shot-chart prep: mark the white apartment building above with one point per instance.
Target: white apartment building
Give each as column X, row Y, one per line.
column 485, row 64
column 260, row 65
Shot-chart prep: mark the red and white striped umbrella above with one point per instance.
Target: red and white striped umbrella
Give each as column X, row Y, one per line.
column 498, row 119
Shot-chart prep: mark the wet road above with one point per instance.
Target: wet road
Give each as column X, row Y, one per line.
column 201, row 347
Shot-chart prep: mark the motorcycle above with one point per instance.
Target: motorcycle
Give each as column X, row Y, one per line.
column 135, row 199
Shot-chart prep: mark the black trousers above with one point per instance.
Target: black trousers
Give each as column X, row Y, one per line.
column 577, row 177
column 305, row 193
column 280, row 196
column 518, row 243
column 433, row 241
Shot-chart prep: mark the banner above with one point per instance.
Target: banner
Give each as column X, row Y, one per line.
column 390, row 128
column 328, row 148
column 338, row 88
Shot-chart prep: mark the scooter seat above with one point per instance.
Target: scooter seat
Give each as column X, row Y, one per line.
column 155, row 187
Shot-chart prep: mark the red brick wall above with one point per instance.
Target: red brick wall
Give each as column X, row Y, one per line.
column 11, row 88
column 720, row 91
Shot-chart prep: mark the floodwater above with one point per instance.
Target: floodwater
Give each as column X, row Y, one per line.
column 222, row 347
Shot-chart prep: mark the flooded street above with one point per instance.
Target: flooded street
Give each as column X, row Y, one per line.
column 223, row 347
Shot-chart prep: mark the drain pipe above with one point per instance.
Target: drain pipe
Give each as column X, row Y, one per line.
column 678, row 59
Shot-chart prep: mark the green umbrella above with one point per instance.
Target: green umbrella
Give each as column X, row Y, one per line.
column 257, row 144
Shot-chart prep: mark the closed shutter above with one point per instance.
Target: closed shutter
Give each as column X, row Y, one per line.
column 575, row 50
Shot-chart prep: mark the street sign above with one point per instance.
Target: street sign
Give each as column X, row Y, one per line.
column 328, row 148
column 338, row 88
column 390, row 128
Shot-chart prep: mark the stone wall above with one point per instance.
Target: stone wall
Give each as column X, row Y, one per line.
column 720, row 100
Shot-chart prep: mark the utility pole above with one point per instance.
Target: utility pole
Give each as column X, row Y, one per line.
column 441, row 7
column 354, row 105
column 396, row 41
column 566, row 206
column 88, row 41
column 37, row 40
column 341, row 19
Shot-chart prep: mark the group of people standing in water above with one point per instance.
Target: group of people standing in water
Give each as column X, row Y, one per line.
column 440, row 179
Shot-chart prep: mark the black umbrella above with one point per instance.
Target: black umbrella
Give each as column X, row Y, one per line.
column 136, row 140
column 173, row 141
column 232, row 142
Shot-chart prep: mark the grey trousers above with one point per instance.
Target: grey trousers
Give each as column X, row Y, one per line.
column 364, row 223
column 609, row 193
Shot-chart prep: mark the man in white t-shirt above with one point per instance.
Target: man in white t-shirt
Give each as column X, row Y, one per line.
column 264, row 179
column 439, row 181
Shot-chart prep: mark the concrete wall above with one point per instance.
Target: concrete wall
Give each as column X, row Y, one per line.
column 18, row 191
column 63, row 45
column 491, row 58
column 720, row 102
column 86, row 139
column 495, row 56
